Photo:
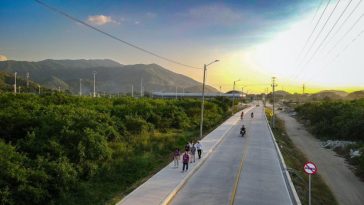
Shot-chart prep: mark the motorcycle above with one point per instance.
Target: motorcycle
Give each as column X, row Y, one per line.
column 242, row 132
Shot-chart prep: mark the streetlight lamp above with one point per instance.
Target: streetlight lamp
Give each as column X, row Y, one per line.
column 203, row 94
column 232, row 109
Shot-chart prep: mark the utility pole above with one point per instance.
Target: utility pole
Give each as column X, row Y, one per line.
column 303, row 89
column 141, row 87
column 176, row 92
column 15, row 82
column 94, row 94
column 132, row 90
column 80, row 86
column 220, row 90
column 273, row 86
column 28, row 80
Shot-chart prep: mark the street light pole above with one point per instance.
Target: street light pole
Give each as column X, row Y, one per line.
column 203, row 99
column 203, row 94
column 273, row 86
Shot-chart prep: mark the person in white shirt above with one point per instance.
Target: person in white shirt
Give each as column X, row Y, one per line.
column 199, row 149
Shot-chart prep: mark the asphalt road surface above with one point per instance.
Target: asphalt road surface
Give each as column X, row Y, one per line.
column 241, row 170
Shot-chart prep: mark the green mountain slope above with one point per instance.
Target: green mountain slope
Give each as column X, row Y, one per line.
column 111, row 76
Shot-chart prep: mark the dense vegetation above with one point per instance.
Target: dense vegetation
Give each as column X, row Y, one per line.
column 341, row 120
column 294, row 160
column 59, row 149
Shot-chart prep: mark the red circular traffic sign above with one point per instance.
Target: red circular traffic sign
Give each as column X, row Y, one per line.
column 310, row 168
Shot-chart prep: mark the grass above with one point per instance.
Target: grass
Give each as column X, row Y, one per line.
column 295, row 159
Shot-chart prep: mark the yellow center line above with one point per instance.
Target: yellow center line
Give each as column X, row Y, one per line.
column 237, row 177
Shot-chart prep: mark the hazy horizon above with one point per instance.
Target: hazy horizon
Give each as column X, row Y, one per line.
column 254, row 40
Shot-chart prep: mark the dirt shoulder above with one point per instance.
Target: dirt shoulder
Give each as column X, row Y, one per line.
column 347, row 188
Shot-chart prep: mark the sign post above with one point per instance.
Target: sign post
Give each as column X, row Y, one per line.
column 310, row 168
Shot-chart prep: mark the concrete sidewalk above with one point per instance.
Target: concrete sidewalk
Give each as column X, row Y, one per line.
column 161, row 187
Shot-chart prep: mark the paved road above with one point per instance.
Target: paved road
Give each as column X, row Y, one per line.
column 260, row 180
column 347, row 188
column 163, row 185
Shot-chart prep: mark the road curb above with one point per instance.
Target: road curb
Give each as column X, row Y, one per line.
column 293, row 194
column 173, row 193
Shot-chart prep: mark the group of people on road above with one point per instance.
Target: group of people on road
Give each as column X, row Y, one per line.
column 188, row 156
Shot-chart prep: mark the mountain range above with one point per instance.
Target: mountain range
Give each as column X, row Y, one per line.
column 111, row 76
column 324, row 94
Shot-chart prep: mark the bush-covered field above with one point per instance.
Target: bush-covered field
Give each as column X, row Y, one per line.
column 294, row 159
column 338, row 120
column 342, row 120
column 60, row 149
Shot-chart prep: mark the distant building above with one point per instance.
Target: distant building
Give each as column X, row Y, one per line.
column 236, row 95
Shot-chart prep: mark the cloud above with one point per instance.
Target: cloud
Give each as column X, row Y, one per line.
column 214, row 14
column 151, row 15
column 101, row 20
column 3, row 58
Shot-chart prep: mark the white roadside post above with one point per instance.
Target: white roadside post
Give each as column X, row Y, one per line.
column 310, row 168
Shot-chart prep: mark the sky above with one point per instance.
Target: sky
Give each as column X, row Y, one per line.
column 253, row 40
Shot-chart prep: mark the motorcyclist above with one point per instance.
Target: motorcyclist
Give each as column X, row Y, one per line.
column 252, row 114
column 242, row 130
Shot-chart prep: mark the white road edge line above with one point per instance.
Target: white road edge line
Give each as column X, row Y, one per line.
column 292, row 191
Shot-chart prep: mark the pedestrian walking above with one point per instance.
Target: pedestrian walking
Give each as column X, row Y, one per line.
column 193, row 153
column 187, row 147
column 176, row 157
column 199, row 149
column 185, row 160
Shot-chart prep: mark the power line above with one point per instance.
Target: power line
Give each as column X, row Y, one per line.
column 332, row 60
column 337, row 56
column 327, row 35
column 309, row 38
column 319, row 34
column 347, row 32
column 343, row 23
column 112, row 36
column 317, row 9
